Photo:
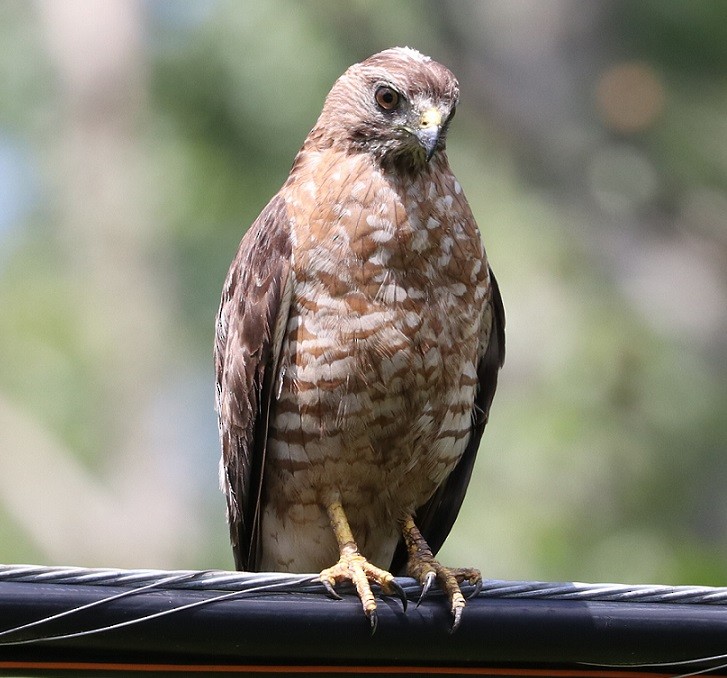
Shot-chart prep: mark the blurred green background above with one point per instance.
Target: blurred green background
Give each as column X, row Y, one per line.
column 139, row 139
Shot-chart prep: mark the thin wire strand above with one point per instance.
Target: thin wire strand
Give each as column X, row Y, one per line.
column 266, row 588
column 95, row 603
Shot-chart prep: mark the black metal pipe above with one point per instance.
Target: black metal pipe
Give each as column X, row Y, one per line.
column 310, row 628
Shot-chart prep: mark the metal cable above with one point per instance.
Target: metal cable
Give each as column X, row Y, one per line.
column 262, row 583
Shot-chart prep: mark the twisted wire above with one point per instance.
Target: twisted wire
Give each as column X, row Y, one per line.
column 262, row 583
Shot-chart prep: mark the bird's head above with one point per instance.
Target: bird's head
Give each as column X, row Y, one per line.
column 396, row 105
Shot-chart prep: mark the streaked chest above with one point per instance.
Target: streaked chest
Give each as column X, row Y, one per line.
column 391, row 283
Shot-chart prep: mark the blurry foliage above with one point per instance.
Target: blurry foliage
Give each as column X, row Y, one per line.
column 605, row 455
column 687, row 40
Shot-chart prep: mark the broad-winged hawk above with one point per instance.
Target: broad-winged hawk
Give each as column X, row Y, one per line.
column 358, row 344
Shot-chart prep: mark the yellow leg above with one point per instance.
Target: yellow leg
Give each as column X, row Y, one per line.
column 425, row 568
column 353, row 567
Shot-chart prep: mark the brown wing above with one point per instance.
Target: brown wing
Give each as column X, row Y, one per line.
column 436, row 518
column 250, row 326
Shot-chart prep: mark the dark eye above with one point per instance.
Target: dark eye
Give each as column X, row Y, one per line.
column 387, row 98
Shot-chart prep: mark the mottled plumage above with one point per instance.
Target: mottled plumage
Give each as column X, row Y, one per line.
column 358, row 342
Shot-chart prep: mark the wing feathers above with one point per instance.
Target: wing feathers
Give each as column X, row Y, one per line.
column 250, row 326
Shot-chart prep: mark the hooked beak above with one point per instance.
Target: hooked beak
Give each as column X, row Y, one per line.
column 427, row 133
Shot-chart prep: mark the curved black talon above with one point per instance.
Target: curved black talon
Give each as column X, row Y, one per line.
column 331, row 591
column 373, row 620
column 428, row 581
column 476, row 592
column 399, row 591
column 457, row 619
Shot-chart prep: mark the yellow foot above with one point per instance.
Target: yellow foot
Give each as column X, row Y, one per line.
column 425, row 568
column 355, row 568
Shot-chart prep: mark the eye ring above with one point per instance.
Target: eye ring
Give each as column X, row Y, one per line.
column 387, row 98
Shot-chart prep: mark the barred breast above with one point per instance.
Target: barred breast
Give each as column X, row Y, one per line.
column 377, row 377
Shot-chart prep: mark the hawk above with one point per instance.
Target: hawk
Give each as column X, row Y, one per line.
column 358, row 344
